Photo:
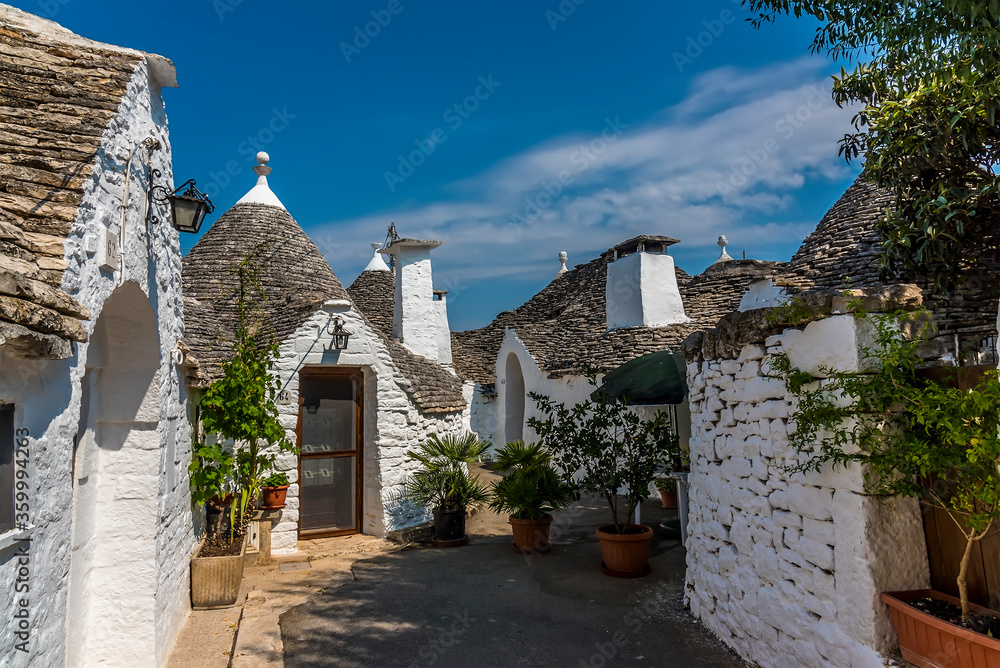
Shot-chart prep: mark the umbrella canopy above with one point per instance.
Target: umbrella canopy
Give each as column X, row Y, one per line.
column 657, row 378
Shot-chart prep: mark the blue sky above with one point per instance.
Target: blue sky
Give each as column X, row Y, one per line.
column 509, row 129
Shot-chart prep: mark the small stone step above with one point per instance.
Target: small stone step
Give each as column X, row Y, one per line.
column 291, row 566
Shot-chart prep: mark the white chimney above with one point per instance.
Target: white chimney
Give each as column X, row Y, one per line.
column 419, row 322
column 642, row 289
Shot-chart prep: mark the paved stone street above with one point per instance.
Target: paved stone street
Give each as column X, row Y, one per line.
column 486, row 605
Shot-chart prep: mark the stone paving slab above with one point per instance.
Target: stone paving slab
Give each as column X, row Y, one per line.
column 486, row 605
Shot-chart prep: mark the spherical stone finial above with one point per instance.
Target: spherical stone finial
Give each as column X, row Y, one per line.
column 262, row 170
column 722, row 241
column 376, row 246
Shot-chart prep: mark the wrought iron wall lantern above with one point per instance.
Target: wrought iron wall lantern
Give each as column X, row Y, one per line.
column 187, row 209
column 340, row 335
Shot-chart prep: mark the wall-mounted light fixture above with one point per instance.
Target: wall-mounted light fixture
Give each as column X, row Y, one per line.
column 187, row 209
column 340, row 335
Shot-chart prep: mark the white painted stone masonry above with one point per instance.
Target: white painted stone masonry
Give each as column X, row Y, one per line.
column 392, row 424
column 787, row 569
column 77, row 613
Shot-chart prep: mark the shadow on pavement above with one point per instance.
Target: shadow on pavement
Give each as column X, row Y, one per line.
column 487, row 605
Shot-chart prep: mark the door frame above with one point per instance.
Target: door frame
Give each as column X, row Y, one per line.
column 336, row 373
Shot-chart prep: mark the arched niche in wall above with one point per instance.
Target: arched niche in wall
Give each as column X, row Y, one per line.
column 513, row 399
column 116, row 487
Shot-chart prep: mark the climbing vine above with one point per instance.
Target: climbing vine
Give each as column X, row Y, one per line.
column 914, row 437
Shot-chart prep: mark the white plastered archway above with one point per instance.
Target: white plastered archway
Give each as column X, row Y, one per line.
column 116, row 462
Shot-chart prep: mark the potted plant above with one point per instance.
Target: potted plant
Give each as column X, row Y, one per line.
column 443, row 482
column 603, row 447
column 667, row 487
column 217, row 565
column 239, row 407
column 528, row 491
column 239, row 413
column 274, row 488
column 916, row 438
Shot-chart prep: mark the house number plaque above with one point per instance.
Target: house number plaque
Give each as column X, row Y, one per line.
column 284, row 398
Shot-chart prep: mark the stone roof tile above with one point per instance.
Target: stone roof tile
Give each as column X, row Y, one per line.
column 58, row 94
column 297, row 281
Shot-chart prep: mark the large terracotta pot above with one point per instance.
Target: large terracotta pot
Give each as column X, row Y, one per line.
column 273, row 498
column 531, row 536
column 929, row 642
column 668, row 499
column 625, row 555
column 215, row 581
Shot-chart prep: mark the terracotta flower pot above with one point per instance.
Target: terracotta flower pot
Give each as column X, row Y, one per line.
column 625, row 555
column 668, row 499
column 273, row 498
column 929, row 642
column 531, row 536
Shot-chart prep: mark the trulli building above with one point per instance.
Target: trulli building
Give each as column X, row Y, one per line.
column 353, row 412
column 630, row 301
column 95, row 520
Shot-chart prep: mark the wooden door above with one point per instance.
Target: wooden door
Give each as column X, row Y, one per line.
column 329, row 434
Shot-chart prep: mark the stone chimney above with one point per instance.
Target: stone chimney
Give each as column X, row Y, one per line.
column 419, row 321
column 642, row 289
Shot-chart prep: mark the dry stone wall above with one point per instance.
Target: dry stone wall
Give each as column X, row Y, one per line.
column 786, row 569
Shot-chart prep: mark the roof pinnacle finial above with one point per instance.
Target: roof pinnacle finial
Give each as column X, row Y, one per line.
column 563, row 257
column 377, row 263
column 723, row 256
column 262, row 169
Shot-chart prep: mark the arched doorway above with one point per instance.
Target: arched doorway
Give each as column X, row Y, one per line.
column 513, row 400
column 116, row 479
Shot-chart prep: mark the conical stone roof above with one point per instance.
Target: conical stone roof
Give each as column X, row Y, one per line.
column 296, row 279
column 845, row 248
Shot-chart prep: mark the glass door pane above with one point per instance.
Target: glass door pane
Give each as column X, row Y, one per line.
column 329, row 428
column 328, row 493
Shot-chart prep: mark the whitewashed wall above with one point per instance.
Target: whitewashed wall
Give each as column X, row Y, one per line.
column 106, row 625
column 787, row 569
column 568, row 390
column 392, row 425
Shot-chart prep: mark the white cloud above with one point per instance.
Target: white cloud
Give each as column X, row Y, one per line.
column 754, row 136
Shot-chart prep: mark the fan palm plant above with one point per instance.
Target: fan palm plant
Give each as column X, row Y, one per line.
column 530, row 489
column 443, row 481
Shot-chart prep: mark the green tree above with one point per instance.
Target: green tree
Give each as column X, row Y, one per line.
column 239, row 406
column 602, row 446
column 925, row 77
column 913, row 437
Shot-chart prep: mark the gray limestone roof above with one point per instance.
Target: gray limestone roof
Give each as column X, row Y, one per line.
column 374, row 293
column 297, row 281
column 844, row 251
column 564, row 326
column 58, row 95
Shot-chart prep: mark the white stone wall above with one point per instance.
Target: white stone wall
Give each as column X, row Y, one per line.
column 787, row 569
column 392, row 425
column 568, row 390
column 482, row 413
column 49, row 397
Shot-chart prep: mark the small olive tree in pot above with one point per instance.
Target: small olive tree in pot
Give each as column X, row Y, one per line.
column 603, row 447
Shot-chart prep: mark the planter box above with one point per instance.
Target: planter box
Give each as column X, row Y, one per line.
column 215, row 581
column 929, row 642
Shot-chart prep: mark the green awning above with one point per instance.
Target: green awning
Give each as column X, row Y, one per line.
column 657, row 378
